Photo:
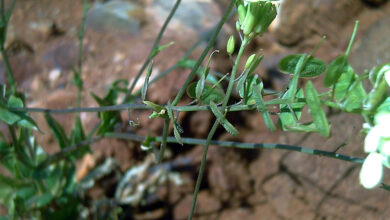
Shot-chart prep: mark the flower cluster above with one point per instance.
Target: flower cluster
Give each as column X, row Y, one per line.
column 377, row 144
column 254, row 16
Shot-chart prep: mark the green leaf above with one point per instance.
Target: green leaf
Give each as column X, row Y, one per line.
column 241, row 82
column 379, row 92
column 338, row 66
column 210, row 93
column 343, row 84
column 262, row 108
column 15, row 102
column 199, row 87
column 247, row 91
column 77, row 135
column 255, row 63
column 318, row 114
column 313, row 66
column 77, row 80
column 172, row 119
column 43, row 199
column 111, row 118
column 58, row 131
column 146, row 84
column 222, row 120
column 161, row 48
column 190, row 64
column 309, row 127
column 154, row 106
column 286, row 117
column 8, row 117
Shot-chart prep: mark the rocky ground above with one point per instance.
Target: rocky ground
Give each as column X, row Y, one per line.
column 239, row 184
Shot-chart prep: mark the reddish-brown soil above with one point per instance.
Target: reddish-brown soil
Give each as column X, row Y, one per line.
column 238, row 184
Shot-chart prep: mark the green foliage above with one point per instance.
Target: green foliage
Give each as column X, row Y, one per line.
column 313, row 66
column 316, row 110
column 337, row 67
column 222, row 120
column 112, row 118
column 210, row 93
column 41, row 186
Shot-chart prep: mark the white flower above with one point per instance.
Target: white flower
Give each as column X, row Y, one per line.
column 385, row 149
column 383, row 120
column 372, row 140
column 372, row 171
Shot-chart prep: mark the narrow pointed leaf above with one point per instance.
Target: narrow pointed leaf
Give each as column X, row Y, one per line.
column 210, row 93
column 311, row 127
column 172, row 119
column 248, row 90
column 262, row 108
column 318, row 114
column 285, row 117
column 57, row 131
column 222, row 120
column 338, row 66
column 146, row 83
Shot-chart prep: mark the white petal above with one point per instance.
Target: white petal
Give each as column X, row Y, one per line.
column 385, row 148
column 372, row 171
column 372, row 141
column 382, row 120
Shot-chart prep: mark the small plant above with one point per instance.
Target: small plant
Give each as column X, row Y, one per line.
column 38, row 185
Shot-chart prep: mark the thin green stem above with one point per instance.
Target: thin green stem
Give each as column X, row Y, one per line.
column 352, row 38
column 80, row 52
column 239, row 145
column 10, row 75
column 184, row 108
column 203, row 55
column 163, row 140
column 150, row 56
column 201, row 169
column 215, row 126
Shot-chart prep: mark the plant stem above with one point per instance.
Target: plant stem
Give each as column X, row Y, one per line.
column 215, row 126
column 352, row 38
column 10, row 75
column 184, row 108
column 80, row 51
column 239, row 145
column 163, row 140
column 201, row 169
column 150, row 56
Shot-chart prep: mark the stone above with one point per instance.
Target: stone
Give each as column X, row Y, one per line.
column 116, row 17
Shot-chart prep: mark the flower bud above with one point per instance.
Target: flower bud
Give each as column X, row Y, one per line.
column 250, row 61
column 241, row 10
column 230, row 45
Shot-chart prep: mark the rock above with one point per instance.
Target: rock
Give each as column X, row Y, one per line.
column 116, row 17
column 206, row 204
column 54, row 74
column 62, row 55
column 299, row 19
column 205, row 12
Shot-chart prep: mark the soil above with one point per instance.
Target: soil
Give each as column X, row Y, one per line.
column 238, row 184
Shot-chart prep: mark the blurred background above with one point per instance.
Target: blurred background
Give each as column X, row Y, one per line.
column 238, row 184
